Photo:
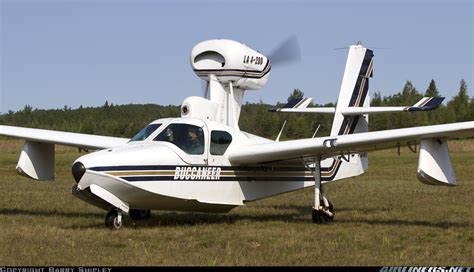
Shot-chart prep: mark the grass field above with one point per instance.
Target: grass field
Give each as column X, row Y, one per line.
column 385, row 217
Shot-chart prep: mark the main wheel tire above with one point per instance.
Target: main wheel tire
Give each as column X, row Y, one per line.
column 112, row 220
column 320, row 217
column 331, row 209
column 139, row 214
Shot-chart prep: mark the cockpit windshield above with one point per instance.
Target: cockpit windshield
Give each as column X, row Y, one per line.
column 144, row 133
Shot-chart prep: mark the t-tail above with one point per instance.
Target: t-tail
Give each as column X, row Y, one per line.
column 354, row 93
column 351, row 115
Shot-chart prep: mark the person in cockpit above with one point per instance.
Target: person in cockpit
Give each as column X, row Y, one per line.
column 193, row 144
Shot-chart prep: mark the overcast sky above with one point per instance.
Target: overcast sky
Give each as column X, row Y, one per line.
column 56, row 53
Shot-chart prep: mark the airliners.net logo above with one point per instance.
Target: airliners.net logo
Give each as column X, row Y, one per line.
column 426, row 269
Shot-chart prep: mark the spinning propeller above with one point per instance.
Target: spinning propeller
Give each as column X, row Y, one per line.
column 284, row 53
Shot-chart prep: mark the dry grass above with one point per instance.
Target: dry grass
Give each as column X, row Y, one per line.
column 385, row 217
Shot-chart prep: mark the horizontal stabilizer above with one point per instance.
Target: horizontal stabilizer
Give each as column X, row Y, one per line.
column 300, row 105
column 425, row 104
column 296, row 103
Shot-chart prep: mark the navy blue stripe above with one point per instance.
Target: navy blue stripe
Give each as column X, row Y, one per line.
column 134, row 167
column 237, row 178
column 344, row 125
column 235, row 70
column 246, row 73
column 335, row 172
column 223, row 168
column 354, row 124
column 362, row 72
column 328, row 169
column 293, row 103
column 353, row 120
column 432, row 104
column 173, row 167
column 241, row 178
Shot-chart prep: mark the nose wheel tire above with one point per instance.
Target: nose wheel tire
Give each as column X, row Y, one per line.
column 113, row 220
column 139, row 214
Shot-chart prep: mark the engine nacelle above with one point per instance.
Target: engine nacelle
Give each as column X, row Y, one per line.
column 230, row 61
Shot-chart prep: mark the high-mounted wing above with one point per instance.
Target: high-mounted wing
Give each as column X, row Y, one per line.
column 434, row 163
column 360, row 142
column 63, row 138
column 37, row 156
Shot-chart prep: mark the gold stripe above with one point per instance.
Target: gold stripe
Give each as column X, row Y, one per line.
column 141, row 173
column 332, row 170
column 266, row 174
column 231, row 173
column 426, row 102
column 349, row 124
column 369, row 70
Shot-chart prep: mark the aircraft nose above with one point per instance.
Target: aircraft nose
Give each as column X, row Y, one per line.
column 78, row 171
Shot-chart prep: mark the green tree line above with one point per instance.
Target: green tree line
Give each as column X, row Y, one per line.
column 126, row 120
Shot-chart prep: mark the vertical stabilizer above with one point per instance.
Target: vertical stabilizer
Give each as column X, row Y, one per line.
column 354, row 93
column 354, row 90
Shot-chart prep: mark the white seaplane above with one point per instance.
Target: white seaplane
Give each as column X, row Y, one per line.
column 203, row 162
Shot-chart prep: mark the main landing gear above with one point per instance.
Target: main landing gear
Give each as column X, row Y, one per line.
column 113, row 219
column 323, row 210
column 139, row 214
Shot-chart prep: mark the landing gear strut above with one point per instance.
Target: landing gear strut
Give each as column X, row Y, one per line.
column 113, row 219
column 323, row 210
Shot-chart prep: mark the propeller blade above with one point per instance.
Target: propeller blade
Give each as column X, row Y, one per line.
column 360, row 43
column 340, row 48
column 286, row 52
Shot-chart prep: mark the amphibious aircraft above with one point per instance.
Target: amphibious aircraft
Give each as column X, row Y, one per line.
column 203, row 162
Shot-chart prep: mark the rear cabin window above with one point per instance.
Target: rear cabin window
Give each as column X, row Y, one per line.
column 187, row 137
column 220, row 141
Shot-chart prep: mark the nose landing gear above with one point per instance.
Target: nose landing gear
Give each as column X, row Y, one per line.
column 113, row 219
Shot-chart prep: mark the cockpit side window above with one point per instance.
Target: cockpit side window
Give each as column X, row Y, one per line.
column 220, row 141
column 187, row 137
column 144, row 133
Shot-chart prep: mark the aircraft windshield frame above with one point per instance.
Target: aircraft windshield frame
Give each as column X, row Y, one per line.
column 180, row 135
column 143, row 134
